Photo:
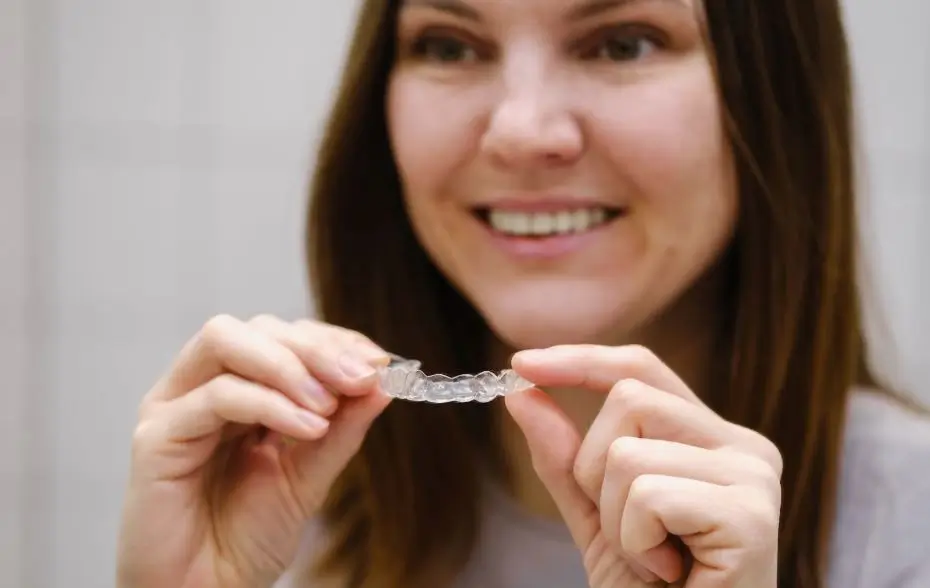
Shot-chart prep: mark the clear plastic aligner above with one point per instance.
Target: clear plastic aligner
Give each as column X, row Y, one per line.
column 403, row 379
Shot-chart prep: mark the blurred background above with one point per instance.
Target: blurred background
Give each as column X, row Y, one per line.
column 153, row 163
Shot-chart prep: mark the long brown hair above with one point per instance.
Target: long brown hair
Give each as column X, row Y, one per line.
column 407, row 507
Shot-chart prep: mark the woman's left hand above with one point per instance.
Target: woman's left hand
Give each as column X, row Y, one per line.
column 660, row 483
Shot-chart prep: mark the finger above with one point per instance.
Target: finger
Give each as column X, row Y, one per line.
column 722, row 526
column 347, row 339
column 282, row 332
column 635, row 409
column 553, row 442
column 226, row 344
column 355, row 339
column 231, row 399
column 336, row 358
column 598, row 368
column 317, row 465
column 631, row 457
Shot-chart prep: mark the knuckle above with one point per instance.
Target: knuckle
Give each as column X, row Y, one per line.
column 585, row 351
column 280, row 354
column 585, row 473
column 762, row 470
column 144, row 436
column 217, row 329
column 763, row 476
column 147, row 404
column 232, row 399
column 220, row 323
column 763, row 448
column 632, row 396
column 643, row 491
column 769, row 476
column 772, row 488
column 640, row 355
column 264, row 321
column 773, row 456
column 759, row 513
column 216, row 392
column 624, row 455
column 308, row 325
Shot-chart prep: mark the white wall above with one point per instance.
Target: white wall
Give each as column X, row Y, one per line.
column 892, row 53
column 168, row 143
column 167, row 146
column 13, row 283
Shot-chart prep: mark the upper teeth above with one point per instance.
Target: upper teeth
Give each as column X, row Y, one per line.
column 546, row 223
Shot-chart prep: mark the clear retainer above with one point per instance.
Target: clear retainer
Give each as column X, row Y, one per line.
column 403, row 379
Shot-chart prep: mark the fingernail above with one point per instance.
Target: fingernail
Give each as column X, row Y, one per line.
column 527, row 355
column 318, row 396
column 354, row 367
column 312, row 421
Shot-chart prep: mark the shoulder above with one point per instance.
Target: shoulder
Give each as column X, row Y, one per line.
column 882, row 515
column 884, row 440
column 876, row 415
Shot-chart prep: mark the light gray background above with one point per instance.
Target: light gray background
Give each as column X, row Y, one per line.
column 153, row 157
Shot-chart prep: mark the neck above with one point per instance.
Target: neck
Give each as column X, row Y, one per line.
column 684, row 338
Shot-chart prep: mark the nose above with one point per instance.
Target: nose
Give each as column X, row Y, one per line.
column 531, row 126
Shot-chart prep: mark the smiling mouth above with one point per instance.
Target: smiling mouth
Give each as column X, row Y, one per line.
column 541, row 225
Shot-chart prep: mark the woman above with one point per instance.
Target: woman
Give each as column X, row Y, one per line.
column 575, row 189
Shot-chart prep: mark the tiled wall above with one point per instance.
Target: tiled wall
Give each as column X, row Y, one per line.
column 167, row 147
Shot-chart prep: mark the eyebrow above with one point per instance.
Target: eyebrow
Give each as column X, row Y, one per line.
column 588, row 9
column 456, row 7
column 593, row 8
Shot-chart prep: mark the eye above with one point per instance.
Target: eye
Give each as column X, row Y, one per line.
column 621, row 46
column 444, row 49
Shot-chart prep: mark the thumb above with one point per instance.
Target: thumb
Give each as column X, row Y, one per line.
column 319, row 463
column 554, row 441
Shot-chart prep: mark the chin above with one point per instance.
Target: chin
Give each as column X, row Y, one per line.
column 545, row 326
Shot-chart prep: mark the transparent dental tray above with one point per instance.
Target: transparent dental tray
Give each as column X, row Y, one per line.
column 403, row 379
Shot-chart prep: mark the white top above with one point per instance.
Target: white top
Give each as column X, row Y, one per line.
column 881, row 538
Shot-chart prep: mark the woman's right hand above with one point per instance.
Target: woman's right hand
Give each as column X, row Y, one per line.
column 237, row 447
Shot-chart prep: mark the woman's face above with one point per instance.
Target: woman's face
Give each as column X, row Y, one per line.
column 563, row 161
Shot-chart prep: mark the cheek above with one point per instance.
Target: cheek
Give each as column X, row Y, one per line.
column 666, row 139
column 433, row 129
column 433, row 132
